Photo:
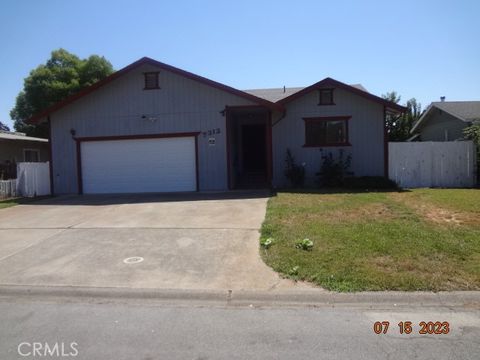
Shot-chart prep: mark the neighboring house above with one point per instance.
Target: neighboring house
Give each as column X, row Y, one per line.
column 151, row 127
column 446, row 120
column 17, row 147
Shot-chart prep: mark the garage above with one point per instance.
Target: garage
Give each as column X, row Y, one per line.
column 136, row 165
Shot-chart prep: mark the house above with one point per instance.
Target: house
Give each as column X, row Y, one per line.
column 151, row 127
column 17, row 147
column 446, row 120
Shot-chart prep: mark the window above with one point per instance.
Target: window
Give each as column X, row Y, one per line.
column 326, row 97
column 326, row 131
column 31, row 155
column 151, row 80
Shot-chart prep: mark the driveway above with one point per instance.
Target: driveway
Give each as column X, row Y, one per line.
column 194, row 241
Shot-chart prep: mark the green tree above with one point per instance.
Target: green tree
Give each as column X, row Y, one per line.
column 399, row 125
column 62, row 75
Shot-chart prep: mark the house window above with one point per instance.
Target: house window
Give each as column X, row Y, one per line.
column 326, row 97
column 326, row 131
column 151, row 80
column 31, row 155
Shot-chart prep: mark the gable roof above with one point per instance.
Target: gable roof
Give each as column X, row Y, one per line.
column 270, row 98
column 10, row 135
column 467, row 111
column 391, row 106
column 145, row 60
column 277, row 94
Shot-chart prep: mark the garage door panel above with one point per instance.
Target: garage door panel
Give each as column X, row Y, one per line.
column 146, row 165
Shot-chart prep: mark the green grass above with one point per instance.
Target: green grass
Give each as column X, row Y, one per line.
column 8, row 203
column 426, row 239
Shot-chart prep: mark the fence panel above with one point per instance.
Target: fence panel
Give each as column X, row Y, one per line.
column 33, row 179
column 8, row 188
column 432, row 164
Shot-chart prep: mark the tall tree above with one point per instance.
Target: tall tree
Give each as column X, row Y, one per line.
column 4, row 127
column 62, row 75
column 399, row 125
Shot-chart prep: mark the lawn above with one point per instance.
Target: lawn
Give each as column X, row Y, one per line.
column 8, row 203
column 425, row 239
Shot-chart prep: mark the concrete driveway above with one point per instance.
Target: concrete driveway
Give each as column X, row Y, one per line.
column 195, row 241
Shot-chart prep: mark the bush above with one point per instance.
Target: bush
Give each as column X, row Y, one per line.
column 293, row 172
column 369, row 182
column 333, row 172
column 266, row 243
column 305, row 244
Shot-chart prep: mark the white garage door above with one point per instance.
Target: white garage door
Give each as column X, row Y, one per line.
column 140, row 165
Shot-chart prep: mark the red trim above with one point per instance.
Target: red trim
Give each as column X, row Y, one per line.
column 385, row 143
column 328, row 118
column 320, row 103
column 269, row 148
column 145, row 60
column 229, row 142
column 50, row 150
column 197, row 172
column 334, row 83
column 79, row 167
column 157, row 86
column 79, row 140
column 133, row 137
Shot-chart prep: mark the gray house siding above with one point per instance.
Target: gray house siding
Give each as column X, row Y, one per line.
column 180, row 105
column 366, row 135
column 441, row 126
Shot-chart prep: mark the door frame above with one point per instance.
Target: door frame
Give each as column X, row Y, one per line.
column 79, row 141
column 268, row 141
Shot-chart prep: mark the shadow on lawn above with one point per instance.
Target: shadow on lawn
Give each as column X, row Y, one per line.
column 338, row 190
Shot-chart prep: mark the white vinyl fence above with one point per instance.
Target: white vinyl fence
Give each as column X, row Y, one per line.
column 33, row 179
column 432, row 164
column 8, row 188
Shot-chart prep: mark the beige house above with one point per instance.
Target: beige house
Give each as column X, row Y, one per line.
column 17, row 147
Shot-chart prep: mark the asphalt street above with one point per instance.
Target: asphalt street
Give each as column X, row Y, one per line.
column 136, row 330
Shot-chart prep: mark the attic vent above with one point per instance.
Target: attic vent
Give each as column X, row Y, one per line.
column 151, row 80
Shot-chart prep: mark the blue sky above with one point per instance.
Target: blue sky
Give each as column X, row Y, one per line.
column 421, row 49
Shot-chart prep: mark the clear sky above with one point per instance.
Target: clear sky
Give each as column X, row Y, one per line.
column 421, row 49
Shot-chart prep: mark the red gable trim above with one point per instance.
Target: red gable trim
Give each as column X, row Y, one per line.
column 334, row 83
column 145, row 60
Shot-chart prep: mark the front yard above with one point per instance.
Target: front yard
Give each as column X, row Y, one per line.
column 424, row 239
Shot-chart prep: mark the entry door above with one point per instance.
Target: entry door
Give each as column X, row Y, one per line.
column 253, row 148
column 139, row 165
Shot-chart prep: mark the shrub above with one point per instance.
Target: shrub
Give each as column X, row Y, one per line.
column 266, row 243
column 305, row 244
column 369, row 182
column 293, row 172
column 333, row 172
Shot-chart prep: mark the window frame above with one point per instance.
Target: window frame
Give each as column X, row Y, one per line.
column 37, row 151
column 321, row 102
column 317, row 119
column 157, row 82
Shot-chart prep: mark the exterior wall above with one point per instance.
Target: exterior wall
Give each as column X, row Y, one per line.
column 441, row 126
column 366, row 135
column 12, row 150
column 180, row 105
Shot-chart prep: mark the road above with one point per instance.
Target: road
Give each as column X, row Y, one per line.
column 149, row 330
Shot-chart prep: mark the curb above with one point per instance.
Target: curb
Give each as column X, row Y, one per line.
column 302, row 297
